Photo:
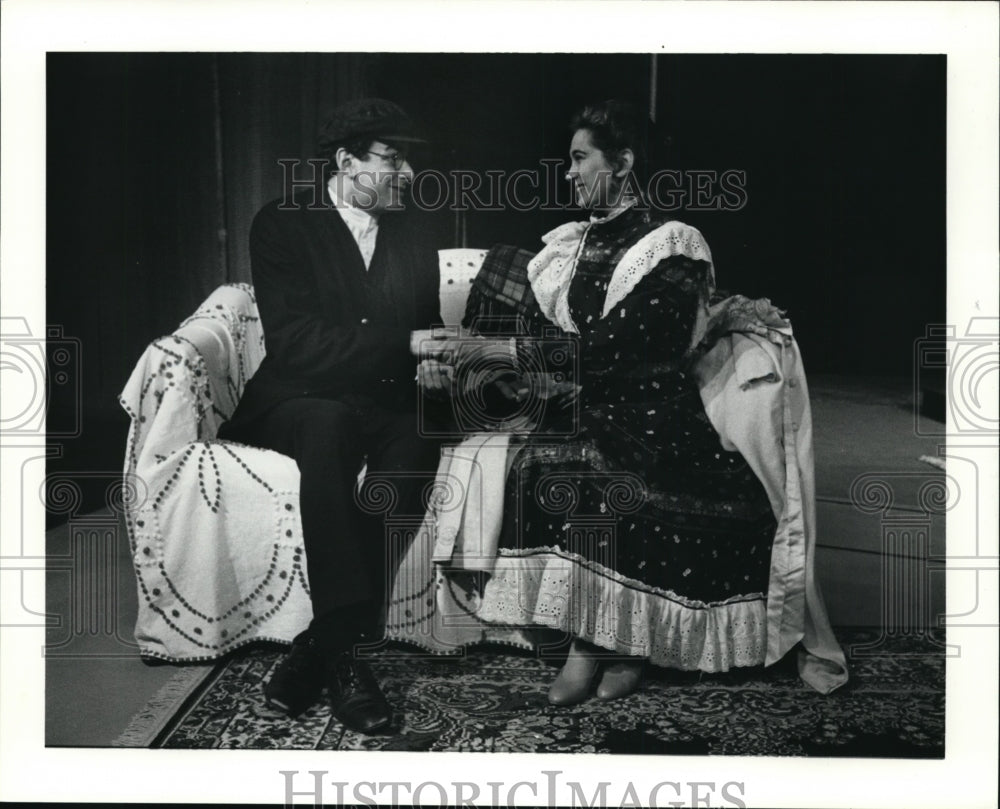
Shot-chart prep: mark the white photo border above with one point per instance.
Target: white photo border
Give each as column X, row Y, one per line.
column 967, row 32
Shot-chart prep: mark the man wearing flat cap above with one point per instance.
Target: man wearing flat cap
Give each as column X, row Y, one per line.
column 347, row 288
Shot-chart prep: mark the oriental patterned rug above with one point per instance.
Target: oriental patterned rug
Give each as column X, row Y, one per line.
column 494, row 700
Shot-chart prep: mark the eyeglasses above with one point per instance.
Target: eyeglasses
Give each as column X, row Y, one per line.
column 395, row 159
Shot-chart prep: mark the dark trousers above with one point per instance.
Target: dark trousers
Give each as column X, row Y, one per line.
column 345, row 541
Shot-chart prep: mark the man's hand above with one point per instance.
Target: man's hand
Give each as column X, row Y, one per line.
column 435, row 378
column 439, row 343
column 420, row 342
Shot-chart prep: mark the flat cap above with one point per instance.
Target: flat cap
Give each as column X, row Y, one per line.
column 367, row 117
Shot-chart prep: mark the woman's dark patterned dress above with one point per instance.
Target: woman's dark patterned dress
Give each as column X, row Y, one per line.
column 639, row 533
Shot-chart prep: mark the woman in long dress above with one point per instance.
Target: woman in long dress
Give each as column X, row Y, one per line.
column 625, row 522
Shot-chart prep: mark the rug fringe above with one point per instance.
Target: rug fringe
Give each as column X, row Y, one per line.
column 160, row 709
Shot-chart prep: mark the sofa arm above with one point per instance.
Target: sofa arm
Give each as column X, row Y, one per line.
column 169, row 400
column 187, row 383
column 227, row 332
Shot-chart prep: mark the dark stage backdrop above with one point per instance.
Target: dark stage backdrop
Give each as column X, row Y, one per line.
column 158, row 161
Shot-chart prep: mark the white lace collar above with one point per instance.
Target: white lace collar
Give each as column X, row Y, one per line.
column 551, row 271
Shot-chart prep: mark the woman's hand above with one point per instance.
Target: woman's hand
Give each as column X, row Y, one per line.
column 513, row 389
column 547, row 386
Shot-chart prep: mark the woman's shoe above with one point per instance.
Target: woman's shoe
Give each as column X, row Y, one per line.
column 619, row 679
column 575, row 678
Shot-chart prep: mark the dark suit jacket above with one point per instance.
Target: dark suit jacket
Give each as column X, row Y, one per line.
column 331, row 327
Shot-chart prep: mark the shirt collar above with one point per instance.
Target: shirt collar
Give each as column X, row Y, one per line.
column 356, row 218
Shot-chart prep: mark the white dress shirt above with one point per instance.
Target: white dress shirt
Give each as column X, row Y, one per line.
column 363, row 226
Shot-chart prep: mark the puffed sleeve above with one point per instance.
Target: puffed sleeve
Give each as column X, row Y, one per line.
column 652, row 325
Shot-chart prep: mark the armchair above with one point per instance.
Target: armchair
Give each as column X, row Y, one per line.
column 213, row 525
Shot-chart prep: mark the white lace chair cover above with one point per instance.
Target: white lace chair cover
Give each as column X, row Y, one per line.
column 213, row 525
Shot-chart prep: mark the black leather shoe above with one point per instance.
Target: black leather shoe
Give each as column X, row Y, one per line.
column 297, row 682
column 355, row 696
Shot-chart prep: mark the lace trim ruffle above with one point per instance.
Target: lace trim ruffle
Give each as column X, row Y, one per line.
column 549, row 587
column 551, row 271
column 671, row 239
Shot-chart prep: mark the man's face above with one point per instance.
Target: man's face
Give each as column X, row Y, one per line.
column 378, row 180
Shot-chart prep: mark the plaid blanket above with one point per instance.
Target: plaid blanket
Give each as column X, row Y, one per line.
column 501, row 300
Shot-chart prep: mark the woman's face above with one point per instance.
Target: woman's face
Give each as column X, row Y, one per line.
column 593, row 177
